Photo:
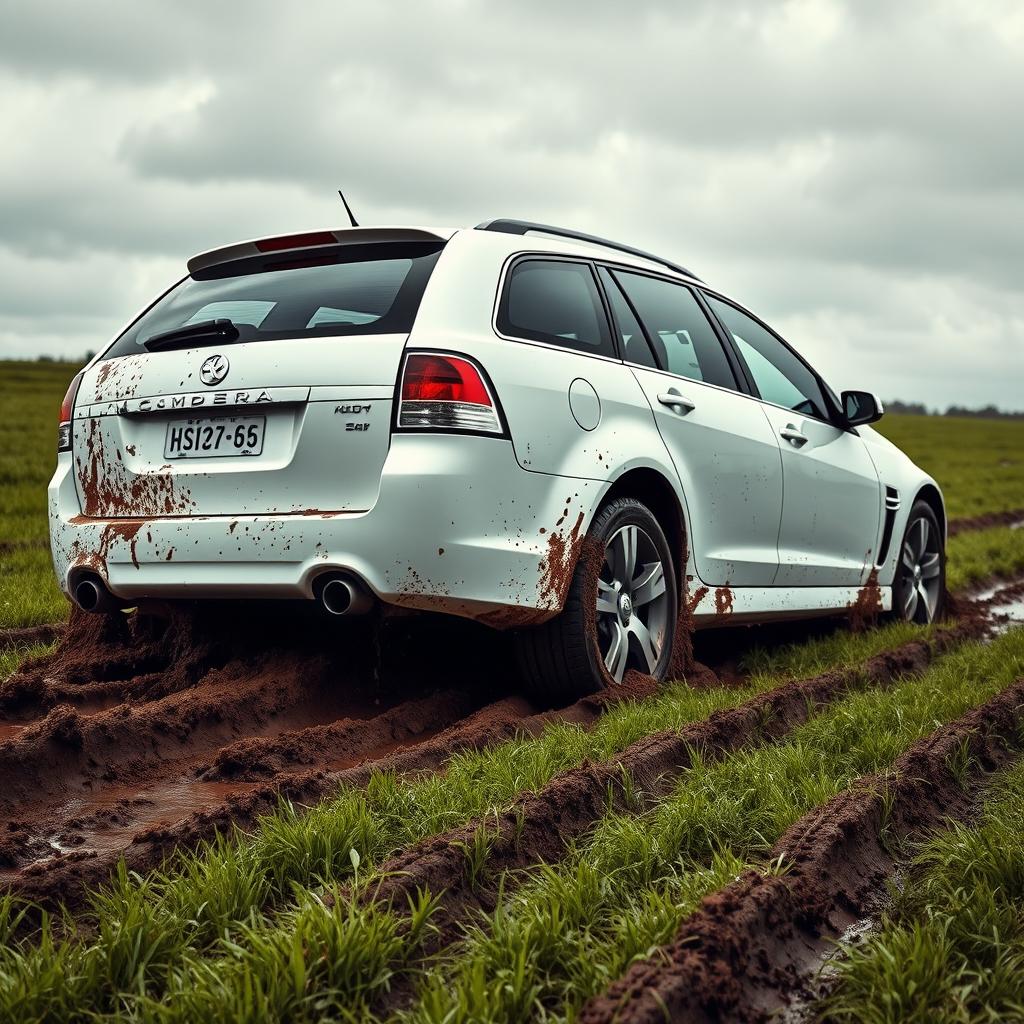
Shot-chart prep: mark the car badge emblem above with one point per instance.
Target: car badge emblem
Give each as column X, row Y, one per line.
column 214, row 370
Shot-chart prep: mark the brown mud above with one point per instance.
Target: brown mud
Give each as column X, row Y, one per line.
column 752, row 947
column 866, row 609
column 144, row 733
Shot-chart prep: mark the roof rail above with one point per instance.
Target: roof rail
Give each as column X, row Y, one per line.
column 521, row 227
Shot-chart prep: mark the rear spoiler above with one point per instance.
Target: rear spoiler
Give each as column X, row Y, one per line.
column 217, row 262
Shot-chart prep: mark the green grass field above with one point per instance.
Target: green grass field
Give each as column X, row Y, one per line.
column 30, row 397
column 979, row 464
column 239, row 930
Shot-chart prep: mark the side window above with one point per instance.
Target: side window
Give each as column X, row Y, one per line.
column 634, row 345
column 781, row 377
column 555, row 301
column 684, row 340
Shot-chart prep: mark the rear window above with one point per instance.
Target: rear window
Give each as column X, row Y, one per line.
column 336, row 295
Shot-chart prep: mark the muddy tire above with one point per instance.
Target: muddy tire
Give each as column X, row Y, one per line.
column 919, row 588
column 619, row 614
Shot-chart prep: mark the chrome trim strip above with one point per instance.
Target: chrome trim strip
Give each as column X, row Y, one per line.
column 230, row 398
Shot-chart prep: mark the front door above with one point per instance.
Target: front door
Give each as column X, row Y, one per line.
column 832, row 503
column 726, row 454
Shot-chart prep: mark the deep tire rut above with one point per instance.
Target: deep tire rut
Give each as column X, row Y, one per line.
column 753, row 945
column 540, row 826
column 100, row 764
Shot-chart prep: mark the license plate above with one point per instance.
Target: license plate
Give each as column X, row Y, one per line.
column 213, row 437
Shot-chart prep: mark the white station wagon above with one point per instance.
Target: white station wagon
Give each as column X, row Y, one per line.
column 445, row 419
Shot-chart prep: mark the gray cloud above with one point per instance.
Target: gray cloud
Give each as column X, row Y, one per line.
column 849, row 169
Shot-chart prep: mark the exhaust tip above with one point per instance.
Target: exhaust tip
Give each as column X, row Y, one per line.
column 91, row 595
column 341, row 596
column 336, row 597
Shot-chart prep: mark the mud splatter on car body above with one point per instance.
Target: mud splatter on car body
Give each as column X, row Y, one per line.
column 559, row 564
column 723, row 601
column 868, row 605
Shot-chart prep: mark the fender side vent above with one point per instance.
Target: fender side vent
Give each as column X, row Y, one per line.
column 892, row 506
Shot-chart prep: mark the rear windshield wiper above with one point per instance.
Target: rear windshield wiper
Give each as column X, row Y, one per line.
column 204, row 332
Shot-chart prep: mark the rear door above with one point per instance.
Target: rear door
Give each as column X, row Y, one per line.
column 572, row 407
column 830, row 516
column 285, row 410
column 727, row 456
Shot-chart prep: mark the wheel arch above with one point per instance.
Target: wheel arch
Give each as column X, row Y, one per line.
column 931, row 494
column 651, row 487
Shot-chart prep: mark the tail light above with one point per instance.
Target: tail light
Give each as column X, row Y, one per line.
column 442, row 392
column 66, row 409
column 305, row 241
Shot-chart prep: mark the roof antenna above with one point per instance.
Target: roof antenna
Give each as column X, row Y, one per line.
column 348, row 209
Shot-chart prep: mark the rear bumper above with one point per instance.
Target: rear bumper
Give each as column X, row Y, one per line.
column 458, row 527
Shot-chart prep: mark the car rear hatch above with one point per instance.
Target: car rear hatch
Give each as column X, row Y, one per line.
column 262, row 383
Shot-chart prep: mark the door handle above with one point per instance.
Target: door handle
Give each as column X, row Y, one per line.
column 794, row 436
column 676, row 402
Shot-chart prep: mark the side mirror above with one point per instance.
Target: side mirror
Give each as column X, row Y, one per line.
column 861, row 407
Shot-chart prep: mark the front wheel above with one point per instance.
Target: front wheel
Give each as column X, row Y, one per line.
column 619, row 614
column 919, row 589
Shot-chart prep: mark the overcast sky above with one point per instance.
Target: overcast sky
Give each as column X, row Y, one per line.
column 853, row 172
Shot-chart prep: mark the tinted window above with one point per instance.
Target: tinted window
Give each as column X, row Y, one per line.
column 781, row 377
column 557, row 302
column 684, row 340
column 634, row 345
column 344, row 296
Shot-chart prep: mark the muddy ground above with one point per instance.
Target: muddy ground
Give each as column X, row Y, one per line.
column 141, row 733
column 152, row 731
column 144, row 732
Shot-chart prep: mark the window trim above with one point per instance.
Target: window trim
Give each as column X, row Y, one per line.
column 830, row 413
column 620, row 347
column 502, row 294
column 739, row 371
column 746, row 386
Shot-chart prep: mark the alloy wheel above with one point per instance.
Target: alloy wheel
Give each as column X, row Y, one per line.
column 921, row 572
column 632, row 603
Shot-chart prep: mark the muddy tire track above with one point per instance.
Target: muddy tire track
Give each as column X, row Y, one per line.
column 141, row 706
column 753, row 946
column 65, row 880
column 540, row 826
column 1012, row 517
column 141, row 765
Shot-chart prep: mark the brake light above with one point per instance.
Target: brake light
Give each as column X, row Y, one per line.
column 67, row 407
column 442, row 392
column 296, row 241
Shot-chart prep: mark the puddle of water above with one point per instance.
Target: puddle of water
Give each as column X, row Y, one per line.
column 164, row 803
column 988, row 593
column 1013, row 613
column 1006, row 603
